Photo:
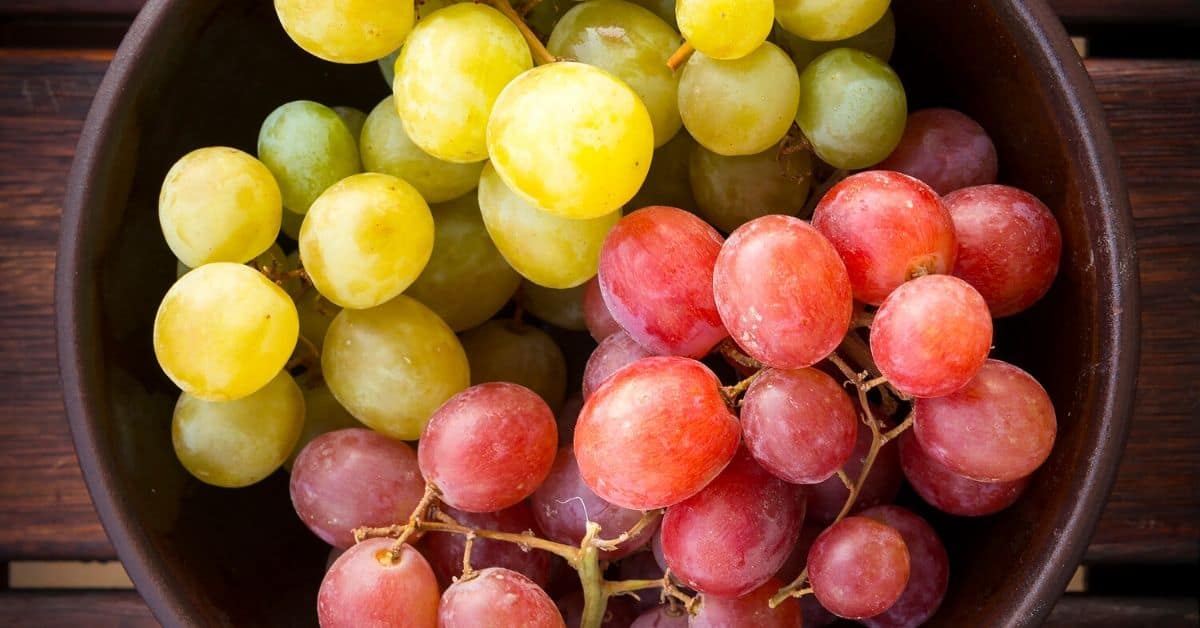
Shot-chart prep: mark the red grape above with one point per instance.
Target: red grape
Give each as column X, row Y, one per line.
column 497, row 598
column 931, row 336
column 614, row 352
column 351, row 478
column 489, row 446
column 945, row 149
column 1009, row 245
column 952, row 493
column 825, row 500
column 751, row 609
column 600, row 323
column 367, row 588
column 929, row 569
column 858, row 567
column 567, row 417
column 620, row 612
column 782, row 291
column 445, row 549
column 657, row 549
column 642, row 566
column 655, row 433
column 799, row 425
column 814, row 614
column 999, row 428
column 662, row 617
column 888, row 227
column 656, row 276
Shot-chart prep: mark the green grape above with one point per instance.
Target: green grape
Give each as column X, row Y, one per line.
column 219, row 204
column 742, row 106
column 346, row 31
column 223, row 331
column 878, row 40
column 181, row 269
column 466, row 280
column 632, row 43
column 237, row 443
column 543, row 17
column 731, row 191
column 510, row 351
column 322, row 414
column 392, row 365
column 308, row 148
column 662, row 8
column 387, row 67
column 366, row 239
column 386, row 148
column 546, row 249
column 852, row 108
column 353, row 119
column 316, row 313
column 291, row 224
column 449, row 74
column 725, row 29
column 828, row 20
column 561, row 308
column 571, row 139
column 667, row 184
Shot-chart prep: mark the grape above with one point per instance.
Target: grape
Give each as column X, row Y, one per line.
column 657, row 549
column 387, row 65
column 620, row 612
column 731, row 191
column 322, row 414
column 826, row 499
column 852, row 108
column 353, row 118
column 466, row 280
column 489, row 446
column 642, row 565
column 291, row 223
column 391, row 366
column 445, row 550
column 497, row 598
column 945, row 149
column 662, row 617
column 219, row 205
column 237, row 443
column 366, row 239
column 999, row 428
column 667, row 183
column 223, row 331
column 567, row 417
column 888, row 228
column 613, row 354
column 352, row 478
column 725, row 29
column 952, row 493
column 879, row 40
column 545, row 14
column 829, row 20
column 316, row 314
column 858, row 567
column 631, row 43
column 814, row 614
column 387, row 149
column 656, row 433
column 603, row 140
column 751, row 609
column 346, row 31
column 799, row 425
column 561, row 308
column 1009, row 245
column 599, row 321
column 664, row 9
column 364, row 587
column 567, row 251
column 449, row 73
column 508, row 351
column 656, row 278
column 740, row 106
column 733, row 535
column 794, row 315
column 929, row 569
column 308, row 148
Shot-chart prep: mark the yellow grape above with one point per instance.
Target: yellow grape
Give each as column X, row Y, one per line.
column 561, row 308
column 386, row 148
column 725, row 29
column 510, row 351
column 346, row 31
column 828, row 20
column 308, row 148
column 322, row 414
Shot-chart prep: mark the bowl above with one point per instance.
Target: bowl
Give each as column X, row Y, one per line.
column 193, row 73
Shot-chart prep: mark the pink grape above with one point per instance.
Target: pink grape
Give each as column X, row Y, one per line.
column 858, row 567
column 814, row 614
column 620, row 613
column 825, row 500
column 657, row 432
column 888, row 227
column 656, row 548
column 734, row 535
column 999, row 428
column 445, row 550
column 782, row 291
column 489, row 447
column 656, row 277
column 1009, row 245
column 365, row 587
column 946, row 149
column 662, row 617
column 929, row 569
column 352, row 478
column 952, row 493
column 799, row 425
column 751, row 609
column 599, row 321
column 931, row 336
column 642, row 566
column 616, row 351
column 497, row 598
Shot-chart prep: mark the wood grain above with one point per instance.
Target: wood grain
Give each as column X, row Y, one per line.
column 1111, row 11
column 1083, row 611
column 95, row 609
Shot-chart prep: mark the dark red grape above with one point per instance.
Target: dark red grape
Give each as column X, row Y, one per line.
column 445, row 549
column 642, row 566
column 825, row 500
column 929, row 569
column 620, row 613
column 662, row 617
column 567, row 417
column 616, row 351
column 751, row 609
column 814, row 614
column 497, row 598
column 952, row 493
column 858, row 567
column 365, row 587
column 600, row 322
column 945, row 149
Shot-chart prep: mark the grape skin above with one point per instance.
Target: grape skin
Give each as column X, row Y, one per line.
column 315, row 314
column 751, row 609
column 509, row 351
column 620, row 612
column 825, row 500
column 614, row 353
column 731, row 191
column 365, row 588
column 667, row 183
column 308, row 148
column 322, row 414
column 829, row 20
column 879, row 40
column 497, row 598
column 952, row 493
column 561, row 308
column 642, row 565
column 858, row 567
column 600, row 323
column 661, row 617
column 725, row 29
column 353, row 118
column 347, row 31
column 929, row 571
column 945, row 149
column 445, row 550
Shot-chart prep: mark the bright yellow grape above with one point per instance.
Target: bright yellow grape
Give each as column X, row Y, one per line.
column 346, row 31
column 386, row 148
column 725, row 29
column 828, row 20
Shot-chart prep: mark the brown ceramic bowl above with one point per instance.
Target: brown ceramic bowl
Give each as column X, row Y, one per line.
column 193, row 73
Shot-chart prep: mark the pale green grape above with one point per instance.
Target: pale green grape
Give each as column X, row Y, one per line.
column 545, row 15
column 308, row 148
column 561, row 308
column 449, row 74
column 386, row 148
column 725, row 29
column 219, row 204
column 391, row 366
column 387, row 66
column 466, row 280
column 662, row 8
column 667, row 184
column 291, row 224
column 346, row 31
column 353, row 119
column 571, row 139
column 366, row 239
column 731, row 191
column 510, row 351
column 322, row 414
column 546, row 249
column 316, row 313
column 828, row 20
column 181, row 269
column 631, row 43
column 878, row 40
column 852, row 108
column 223, row 331
column 237, row 443
column 742, row 106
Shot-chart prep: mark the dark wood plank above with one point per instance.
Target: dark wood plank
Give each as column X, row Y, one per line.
column 1111, row 11
column 88, row 7
column 1082, row 611
column 68, row 609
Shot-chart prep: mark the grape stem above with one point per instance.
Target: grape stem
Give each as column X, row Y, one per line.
column 527, row 7
column 862, row 319
column 541, row 56
column 311, row 357
column 610, row 545
column 841, row 473
column 467, row 571
column 671, row 592
column 733, row 393
column 730, row 350
column 680, row 56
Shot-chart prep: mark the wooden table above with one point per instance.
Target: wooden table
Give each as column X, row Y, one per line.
column 1150, row 530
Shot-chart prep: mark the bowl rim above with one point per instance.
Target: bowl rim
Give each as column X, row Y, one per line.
column 1117, row 325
